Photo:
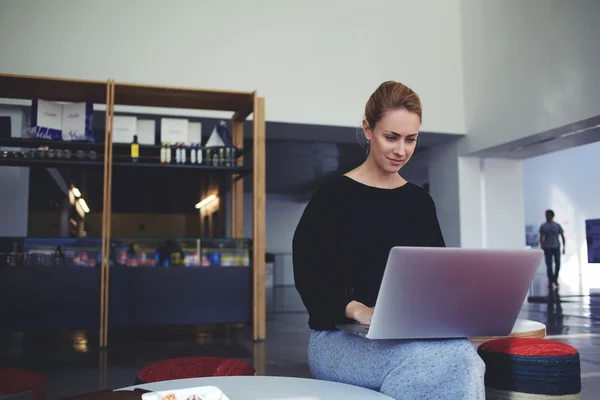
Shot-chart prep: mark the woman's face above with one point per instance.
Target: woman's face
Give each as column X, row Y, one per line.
column 394, row 139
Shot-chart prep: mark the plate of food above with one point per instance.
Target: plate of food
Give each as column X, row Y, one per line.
column 195, row 393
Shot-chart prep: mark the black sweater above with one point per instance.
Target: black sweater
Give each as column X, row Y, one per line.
column 341, row 244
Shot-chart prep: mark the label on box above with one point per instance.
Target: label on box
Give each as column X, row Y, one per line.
column 124, row 128
column 46, row 116
column 174, row 130
column 194, row 133
column 146, row 129
column 77, row 121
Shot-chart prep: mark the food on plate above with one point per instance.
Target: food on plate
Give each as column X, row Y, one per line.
column 199, row 393
column 173, row 396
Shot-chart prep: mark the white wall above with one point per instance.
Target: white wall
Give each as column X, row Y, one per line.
column 529, row 66
column 14, row 185
column 315, row 61
column 566, row 182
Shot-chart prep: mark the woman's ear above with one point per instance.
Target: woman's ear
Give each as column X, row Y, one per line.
column 366, row 130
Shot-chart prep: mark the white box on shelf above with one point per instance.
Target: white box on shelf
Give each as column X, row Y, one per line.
column 124, row 128
column 46, row 118
column 174, row 130
column 146, row 131
column 77, row 121
column 201, row 393
column 194, row 133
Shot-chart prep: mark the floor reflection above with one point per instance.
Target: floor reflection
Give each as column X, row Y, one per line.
column 570, row 309
column 555, row 318
column 73, row 363
column 80, row 341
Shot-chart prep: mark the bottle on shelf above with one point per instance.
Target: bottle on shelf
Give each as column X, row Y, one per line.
column 135, row 149
column 199, row 154
column 193, row 153
column 162, row 153
column 168, row 153
column 177, row 153
column 59, row 256
column 215, row 157
column 228, row 157
column 183, row 153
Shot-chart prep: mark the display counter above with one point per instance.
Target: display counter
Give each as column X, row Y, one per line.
column 55, row 283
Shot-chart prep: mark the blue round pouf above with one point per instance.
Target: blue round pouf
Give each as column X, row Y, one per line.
column 530, row 369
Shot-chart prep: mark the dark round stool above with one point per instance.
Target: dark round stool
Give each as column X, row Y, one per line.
column 520, row 368
column 15, row 381
column 192, row 367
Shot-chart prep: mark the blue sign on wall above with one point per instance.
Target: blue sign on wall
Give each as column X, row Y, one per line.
column 592, row 233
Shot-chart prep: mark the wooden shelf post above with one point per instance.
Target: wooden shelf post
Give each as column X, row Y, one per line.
column 237, row 189
column 106, row 215
column 258, row 219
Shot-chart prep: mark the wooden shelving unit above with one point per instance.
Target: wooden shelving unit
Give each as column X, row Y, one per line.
column 111, row 93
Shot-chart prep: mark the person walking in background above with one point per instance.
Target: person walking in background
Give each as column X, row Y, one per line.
column 549, row 242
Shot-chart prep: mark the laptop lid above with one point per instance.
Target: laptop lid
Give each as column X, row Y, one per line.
column 452, row 292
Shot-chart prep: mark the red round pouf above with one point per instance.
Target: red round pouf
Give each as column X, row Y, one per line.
column 523, row 368
column 14, row 381
column 193, row 367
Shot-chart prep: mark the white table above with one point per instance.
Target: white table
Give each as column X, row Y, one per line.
column 524, row 328
column 270, row 388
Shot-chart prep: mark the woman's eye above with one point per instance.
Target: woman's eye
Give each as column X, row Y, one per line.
column 391, row 138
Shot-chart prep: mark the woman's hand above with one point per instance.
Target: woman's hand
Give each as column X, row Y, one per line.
column 359, row 312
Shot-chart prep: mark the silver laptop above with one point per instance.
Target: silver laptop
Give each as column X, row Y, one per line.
column 435, row 293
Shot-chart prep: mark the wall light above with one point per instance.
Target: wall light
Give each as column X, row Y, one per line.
column 74, row 194
column 79, row 209
column 83, row 205
column 206, row 201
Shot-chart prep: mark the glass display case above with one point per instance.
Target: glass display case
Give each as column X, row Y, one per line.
column 129, row 252
column 164, row 253
column 55, row 282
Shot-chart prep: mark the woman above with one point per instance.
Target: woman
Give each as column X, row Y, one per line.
column 340, row 249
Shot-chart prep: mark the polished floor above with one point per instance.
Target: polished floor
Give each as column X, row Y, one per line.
column 73, row 364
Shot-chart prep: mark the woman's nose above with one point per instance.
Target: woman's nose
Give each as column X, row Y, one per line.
column 400, row 150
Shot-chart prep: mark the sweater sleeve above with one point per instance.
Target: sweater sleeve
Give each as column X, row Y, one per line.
column 317, row 275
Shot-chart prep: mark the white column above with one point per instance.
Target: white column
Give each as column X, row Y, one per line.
column 479, row 201
column 504, row 203
column 444, row 188
column 472, row 200
column 14, row 185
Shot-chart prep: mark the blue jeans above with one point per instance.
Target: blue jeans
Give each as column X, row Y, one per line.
column 550, row 254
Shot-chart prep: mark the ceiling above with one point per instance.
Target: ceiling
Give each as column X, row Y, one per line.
column 561, row 138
